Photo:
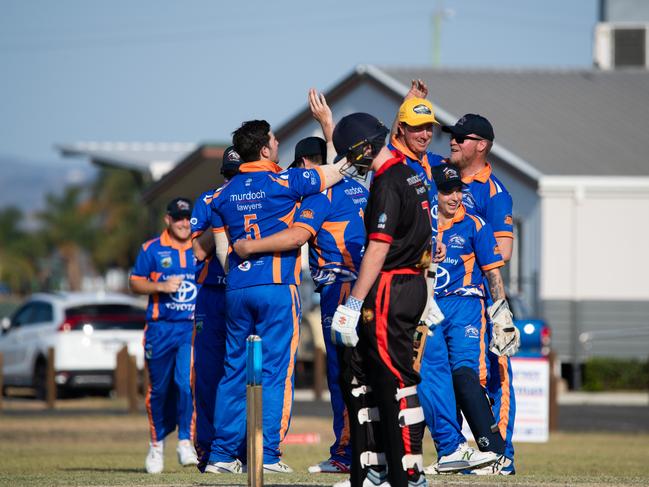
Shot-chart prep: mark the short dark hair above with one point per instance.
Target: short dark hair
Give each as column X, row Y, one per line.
column 250, row 138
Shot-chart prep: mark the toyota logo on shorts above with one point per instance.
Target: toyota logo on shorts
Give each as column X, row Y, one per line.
column 186, row 292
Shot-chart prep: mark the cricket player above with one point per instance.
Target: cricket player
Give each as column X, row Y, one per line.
column 472, row 254
column 390, row 294
column 332, row 223
column 412, row 133
column 165, row 271
column 209, row 320
column 486, row 196
column 261, row 292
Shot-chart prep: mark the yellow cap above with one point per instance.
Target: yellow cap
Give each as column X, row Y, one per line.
column 417, row 111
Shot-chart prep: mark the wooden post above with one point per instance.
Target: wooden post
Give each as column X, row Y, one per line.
column 132, row 384
column 2, row 385
column 254, row 412
column 319, row 372
column 120, row 381
column 554, row 408
column 50, row 383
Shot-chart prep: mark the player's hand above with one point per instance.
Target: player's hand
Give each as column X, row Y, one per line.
column 321, row 112
column 418, row 89
column 242, row 248
column 506, row 339
column 440, row 252
column 171, row 285
column 343, row 324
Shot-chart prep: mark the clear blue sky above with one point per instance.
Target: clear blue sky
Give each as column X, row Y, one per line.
column 191, row 71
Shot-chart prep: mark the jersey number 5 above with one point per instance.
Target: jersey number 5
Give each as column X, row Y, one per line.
column 251, row 229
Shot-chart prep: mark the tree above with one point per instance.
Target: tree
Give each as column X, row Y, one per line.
column 68, row 226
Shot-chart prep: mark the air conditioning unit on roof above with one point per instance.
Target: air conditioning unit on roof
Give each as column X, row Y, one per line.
column 621, row 45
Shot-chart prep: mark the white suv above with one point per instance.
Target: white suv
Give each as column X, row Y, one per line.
column 86, row 331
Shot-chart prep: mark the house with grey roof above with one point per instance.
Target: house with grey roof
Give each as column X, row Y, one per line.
column 570, row 146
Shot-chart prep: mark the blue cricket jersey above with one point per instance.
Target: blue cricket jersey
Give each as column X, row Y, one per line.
column 471, row 249
column 334, row 218
column 159, row 259
column 258, row 202
column 208, row 271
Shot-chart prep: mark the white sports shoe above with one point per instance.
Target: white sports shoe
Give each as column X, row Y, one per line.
column 154, row 462
column 502, row 466
column 279, row 467
column 186, row 453
column 344, row 483
column 464, row 458
column 329, row 466
column 224, row 467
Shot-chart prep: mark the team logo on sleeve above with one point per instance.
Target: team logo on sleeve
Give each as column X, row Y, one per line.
column 166, row 262
column 508, row 220
column 383, row 218
column 306, row 174
column 308, row 214
column 193, row 221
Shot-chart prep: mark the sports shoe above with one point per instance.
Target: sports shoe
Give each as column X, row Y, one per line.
column 502, row 466
column 329, row 466
column 279, row 467
column 224, row 467
column 186, row 453
column 374, row 478
column 343, row 483
column 154, row 462
column 464, row 458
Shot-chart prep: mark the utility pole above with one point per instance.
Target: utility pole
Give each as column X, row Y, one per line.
column 439, row 14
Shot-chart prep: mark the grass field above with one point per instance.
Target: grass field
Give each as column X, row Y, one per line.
column 106, row 449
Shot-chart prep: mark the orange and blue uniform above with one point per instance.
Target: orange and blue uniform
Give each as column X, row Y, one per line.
column 488, row 198
column 209, row 333
column 335, row 220
column 261, row 299
column 471, row 250
column 168, row 336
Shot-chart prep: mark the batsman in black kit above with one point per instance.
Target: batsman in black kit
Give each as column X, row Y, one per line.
column 386, row 419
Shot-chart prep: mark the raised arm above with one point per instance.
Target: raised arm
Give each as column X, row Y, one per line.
column 418, row 89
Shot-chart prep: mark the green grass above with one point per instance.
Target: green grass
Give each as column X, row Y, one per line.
column 42, row 449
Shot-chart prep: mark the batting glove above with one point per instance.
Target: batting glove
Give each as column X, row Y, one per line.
column 345, row 320
column 506, row 339
column 434, row 316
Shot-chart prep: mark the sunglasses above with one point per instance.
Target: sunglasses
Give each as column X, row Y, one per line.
column 461, row 138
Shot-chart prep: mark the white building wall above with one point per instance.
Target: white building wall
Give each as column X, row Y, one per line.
column 594, row 235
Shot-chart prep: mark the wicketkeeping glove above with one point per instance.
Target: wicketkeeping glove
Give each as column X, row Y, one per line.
column 506, row 339
column 343, row 325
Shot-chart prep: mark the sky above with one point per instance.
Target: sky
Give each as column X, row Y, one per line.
column 193, row 70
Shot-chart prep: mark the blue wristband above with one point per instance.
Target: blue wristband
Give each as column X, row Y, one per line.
column 353, row 303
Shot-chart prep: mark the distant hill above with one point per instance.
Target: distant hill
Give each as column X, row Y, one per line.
column 24, row 183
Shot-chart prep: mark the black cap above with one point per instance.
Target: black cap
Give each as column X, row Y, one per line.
column 471, row 123
column 231, row 162
column 447, row 177
column 355, row 129
column 310, row 146
column 179, row 208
